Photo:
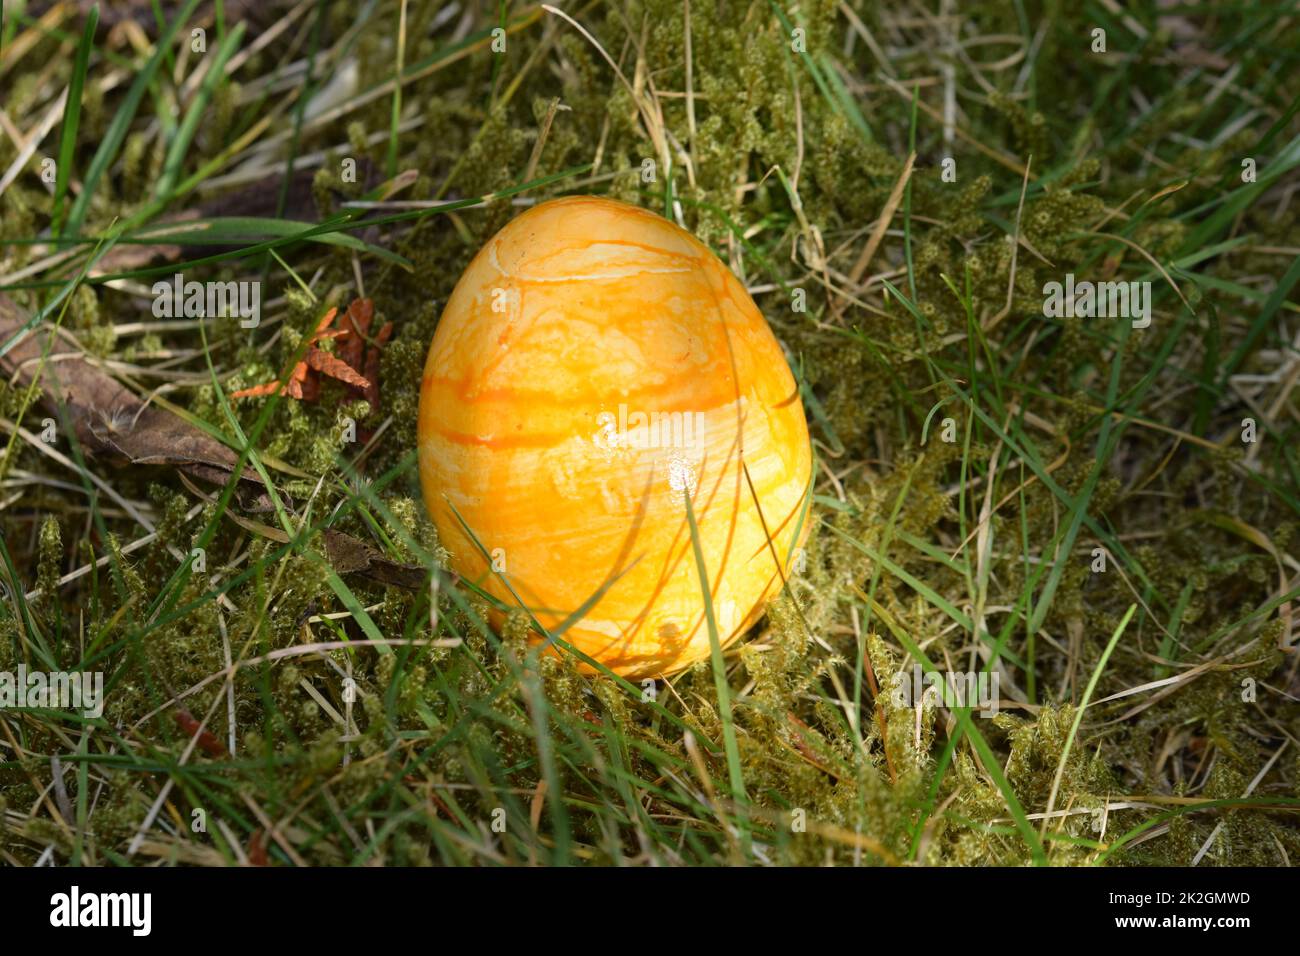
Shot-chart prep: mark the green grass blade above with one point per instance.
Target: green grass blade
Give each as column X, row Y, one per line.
column 735, row 773
column 1078, row 713
column 117, row 130
column 180, row 146
column 72, row 117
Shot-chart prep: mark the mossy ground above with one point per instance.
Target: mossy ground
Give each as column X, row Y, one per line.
column 780, row 146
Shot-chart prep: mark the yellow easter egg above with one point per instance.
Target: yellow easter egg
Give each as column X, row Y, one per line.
column 595, row 366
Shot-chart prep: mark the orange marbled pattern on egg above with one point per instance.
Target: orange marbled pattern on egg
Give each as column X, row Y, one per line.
column 570, row 330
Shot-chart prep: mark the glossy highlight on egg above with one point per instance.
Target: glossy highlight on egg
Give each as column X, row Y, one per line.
column 594, row 366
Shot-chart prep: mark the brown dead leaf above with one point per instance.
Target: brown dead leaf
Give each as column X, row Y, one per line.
column 207, row 741
column 352, row 555
column 112, row 422
column 345, row 554
column 109, row 419
column 335, row 368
